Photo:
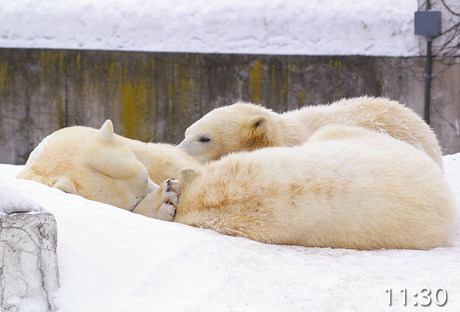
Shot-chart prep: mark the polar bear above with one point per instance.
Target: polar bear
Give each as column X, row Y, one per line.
column 346, row 187
column 102, row 166
column 245, row 127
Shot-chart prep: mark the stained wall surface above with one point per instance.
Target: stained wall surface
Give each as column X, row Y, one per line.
column 156, row 96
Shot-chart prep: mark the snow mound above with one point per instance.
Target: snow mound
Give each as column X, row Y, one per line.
column 16, row 198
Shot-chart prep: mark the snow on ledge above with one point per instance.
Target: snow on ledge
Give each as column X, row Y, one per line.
column 297, row 27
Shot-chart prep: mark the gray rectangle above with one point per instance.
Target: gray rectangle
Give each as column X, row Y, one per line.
column 428, row 23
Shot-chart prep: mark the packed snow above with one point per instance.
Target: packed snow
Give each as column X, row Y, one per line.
column 314, row 27
column 16, row 198
column 114, row 260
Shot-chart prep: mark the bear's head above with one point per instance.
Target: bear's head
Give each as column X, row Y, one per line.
column 93, row 163
column 228, row 129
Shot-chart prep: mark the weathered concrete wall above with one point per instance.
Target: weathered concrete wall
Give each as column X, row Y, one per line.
column 156, row 96
column 29, row 274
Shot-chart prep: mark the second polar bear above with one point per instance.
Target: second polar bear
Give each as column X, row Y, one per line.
column 246, row 127
column 347, row 187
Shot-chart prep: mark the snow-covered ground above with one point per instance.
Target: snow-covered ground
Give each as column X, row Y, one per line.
column 114, row 260
column 313, row 27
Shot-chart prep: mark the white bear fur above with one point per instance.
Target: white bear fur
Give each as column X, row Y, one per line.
column 346, row 187
column 102, row 166
column 163, row 161
column 246, row 127
column 92, row 163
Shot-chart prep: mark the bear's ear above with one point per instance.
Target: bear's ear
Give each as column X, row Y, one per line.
column 257, row 136
column 107, row 131
column 258, row 125
column 66, row 185
column 186, row 176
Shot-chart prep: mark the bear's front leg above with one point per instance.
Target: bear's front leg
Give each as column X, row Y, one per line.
column 162, row 203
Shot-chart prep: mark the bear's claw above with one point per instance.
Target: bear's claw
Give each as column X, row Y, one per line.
column 171, row 196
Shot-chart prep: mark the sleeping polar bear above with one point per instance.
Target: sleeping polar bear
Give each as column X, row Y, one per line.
column 102, row 166
column 346, row 187
column 246, row 127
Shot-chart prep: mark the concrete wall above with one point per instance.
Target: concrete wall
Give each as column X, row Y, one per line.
column 156, row 96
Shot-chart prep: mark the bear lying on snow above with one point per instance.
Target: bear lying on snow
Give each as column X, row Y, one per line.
column 246, row 127
column 346, row 187
column 102, row 166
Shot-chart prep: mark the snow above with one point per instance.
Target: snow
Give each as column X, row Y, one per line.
column 338, row 27
column 114, row 260
column 16, row 198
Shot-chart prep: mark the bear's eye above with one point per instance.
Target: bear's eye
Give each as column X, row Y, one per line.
column 204, row 139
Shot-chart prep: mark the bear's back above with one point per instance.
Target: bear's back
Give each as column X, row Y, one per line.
column 376, row 114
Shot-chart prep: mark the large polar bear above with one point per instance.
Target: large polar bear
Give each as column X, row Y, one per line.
column 102, row 166
column 346, row 187
column 246, row 127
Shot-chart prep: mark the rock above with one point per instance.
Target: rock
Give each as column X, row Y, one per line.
column 29, row 274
